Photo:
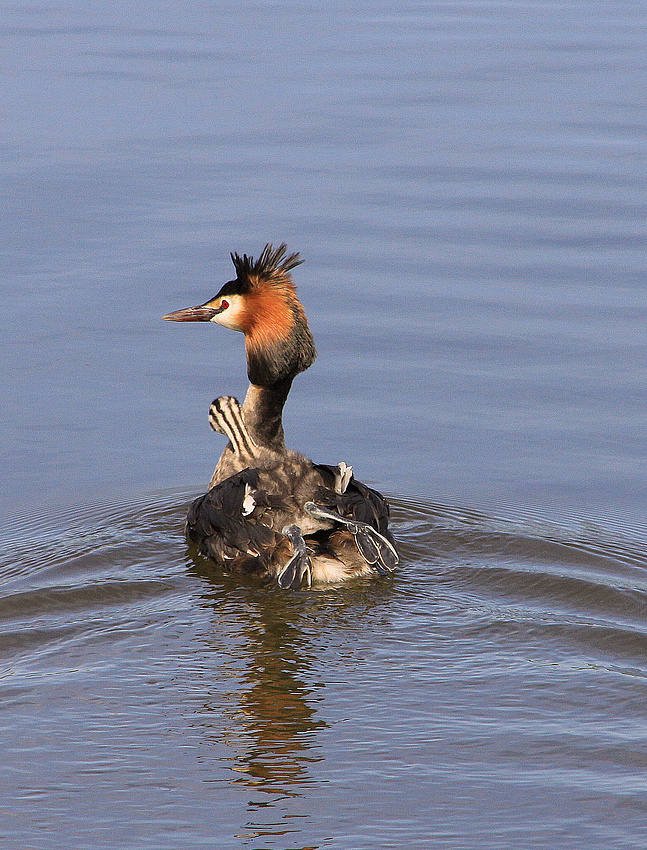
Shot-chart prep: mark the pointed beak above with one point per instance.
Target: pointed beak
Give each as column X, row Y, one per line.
column 203, row 313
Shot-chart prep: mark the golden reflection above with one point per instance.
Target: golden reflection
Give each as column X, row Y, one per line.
column 266, row 689
column 276, row 704
column 270, row 702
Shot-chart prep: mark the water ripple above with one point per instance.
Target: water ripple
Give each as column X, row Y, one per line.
column 511, row 647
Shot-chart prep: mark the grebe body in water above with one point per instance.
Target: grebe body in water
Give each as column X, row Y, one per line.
column 268, row 509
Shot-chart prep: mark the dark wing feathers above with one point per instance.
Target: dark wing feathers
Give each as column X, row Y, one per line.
column 359, row 502
column 246, row 543
column 215, row 523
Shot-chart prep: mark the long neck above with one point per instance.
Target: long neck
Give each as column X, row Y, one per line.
column 263, row 411
column 278, row 346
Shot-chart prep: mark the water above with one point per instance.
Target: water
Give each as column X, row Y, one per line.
column 467, row 185
column 492, row 692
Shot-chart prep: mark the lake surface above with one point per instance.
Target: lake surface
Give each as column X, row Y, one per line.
column 467, row 183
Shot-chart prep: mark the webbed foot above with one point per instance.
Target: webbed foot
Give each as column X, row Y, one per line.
column 372, row 546
column 299, row 565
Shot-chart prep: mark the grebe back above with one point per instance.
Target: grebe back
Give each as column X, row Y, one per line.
column 336, row 526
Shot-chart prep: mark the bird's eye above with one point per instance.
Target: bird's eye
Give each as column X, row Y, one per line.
column 224, row 304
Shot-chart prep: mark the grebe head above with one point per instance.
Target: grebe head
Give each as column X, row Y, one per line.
column 262, row 303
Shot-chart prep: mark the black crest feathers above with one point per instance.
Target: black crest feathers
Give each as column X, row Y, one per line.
column 271, row 265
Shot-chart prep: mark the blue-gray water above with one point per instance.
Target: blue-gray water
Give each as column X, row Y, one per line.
column 467, row 183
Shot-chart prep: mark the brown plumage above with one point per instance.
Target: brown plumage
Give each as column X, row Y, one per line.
column 268, row 509
column 337, row 526
column 278, row 341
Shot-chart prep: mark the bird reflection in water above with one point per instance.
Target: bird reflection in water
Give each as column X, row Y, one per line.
column 275, row 710
column 270, row 712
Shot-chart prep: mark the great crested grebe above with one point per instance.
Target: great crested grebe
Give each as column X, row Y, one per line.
column 270, row 510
